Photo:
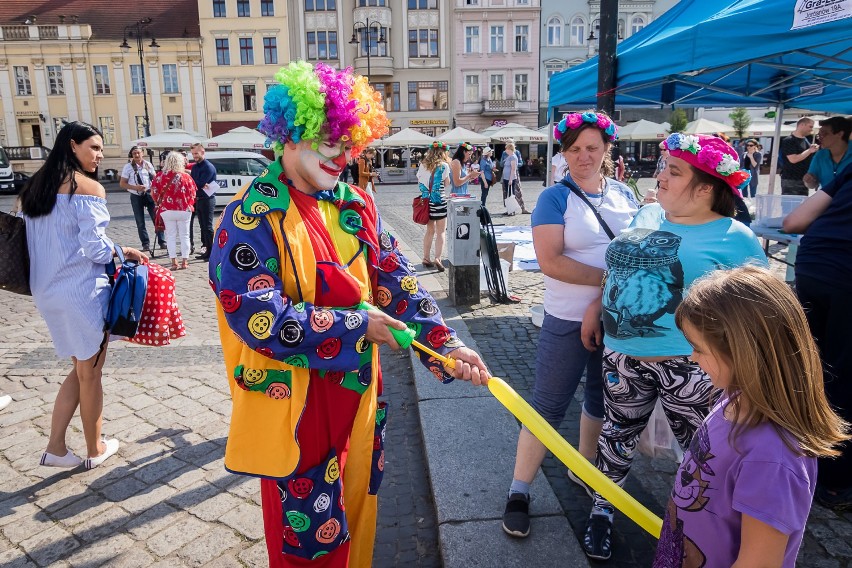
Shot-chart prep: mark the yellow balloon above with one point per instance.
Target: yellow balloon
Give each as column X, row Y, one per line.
column 586, row 471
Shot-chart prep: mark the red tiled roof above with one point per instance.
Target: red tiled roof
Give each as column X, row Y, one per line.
column 171, row 18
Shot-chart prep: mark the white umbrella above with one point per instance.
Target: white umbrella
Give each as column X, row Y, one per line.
column 492, row 129
column 704, row 126
column 240, row 138
column 643, row 130
column 458, row 135
column 403, row 138
column 171, row 138
column 520, row 134
column 756, row 129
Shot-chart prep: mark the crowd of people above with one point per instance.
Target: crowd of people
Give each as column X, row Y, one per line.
column 666, row 300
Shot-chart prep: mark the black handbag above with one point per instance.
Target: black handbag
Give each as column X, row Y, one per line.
column 14, row 256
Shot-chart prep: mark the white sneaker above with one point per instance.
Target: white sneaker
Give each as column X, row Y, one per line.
column 5, row 401
column 111, row 449
column 69, row 460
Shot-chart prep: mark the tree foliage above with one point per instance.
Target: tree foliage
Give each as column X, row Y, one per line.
column 678, row 121
column 740, row 120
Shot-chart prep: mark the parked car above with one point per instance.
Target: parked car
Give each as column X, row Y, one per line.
column 234, row 170
column 20, row 181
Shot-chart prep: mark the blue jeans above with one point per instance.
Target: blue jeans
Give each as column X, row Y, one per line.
column 751, row 190
column 140, row 203
column 559, row 364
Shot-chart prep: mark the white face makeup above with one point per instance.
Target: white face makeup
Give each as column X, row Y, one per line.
column 318, row 169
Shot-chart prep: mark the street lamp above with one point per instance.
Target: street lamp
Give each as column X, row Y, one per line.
column 368, row 25
column 136, row 29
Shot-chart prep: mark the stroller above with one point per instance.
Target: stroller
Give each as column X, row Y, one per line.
column 491, row 260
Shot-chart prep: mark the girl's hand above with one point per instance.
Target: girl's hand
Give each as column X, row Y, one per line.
column 134, row 255
column 469, row 367
column 590, row 329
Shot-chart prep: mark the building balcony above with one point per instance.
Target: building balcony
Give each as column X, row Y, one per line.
column 36, row 33
column 496, row 107
column 380, row 66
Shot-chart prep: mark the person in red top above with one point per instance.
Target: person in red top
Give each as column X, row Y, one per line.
column 174, row 193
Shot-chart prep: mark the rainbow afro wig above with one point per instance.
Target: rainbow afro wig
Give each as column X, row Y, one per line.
column 322, row 104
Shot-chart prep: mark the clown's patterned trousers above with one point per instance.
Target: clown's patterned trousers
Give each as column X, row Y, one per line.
column 631, row 389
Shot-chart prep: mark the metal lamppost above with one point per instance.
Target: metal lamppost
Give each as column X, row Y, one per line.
column 368, row 25
column 136, row 29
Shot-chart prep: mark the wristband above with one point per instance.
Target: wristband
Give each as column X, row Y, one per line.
column 603, row 279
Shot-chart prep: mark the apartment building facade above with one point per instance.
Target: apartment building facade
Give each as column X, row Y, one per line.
column 496, row 61
column 245, row 43
column 67, row 63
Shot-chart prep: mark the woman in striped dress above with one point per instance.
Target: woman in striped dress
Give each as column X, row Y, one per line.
column 432, row 178
column 66, row 218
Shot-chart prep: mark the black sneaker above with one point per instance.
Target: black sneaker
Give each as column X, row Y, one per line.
column 516, row 517
column 597, row 542
column 573, row 477
column 838, row 501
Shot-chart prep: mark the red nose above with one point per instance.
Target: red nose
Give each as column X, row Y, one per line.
column 340, row 161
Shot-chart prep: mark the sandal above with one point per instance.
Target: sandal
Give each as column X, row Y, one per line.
column 174, row 265
column 427, row 263
column 439, row 266
column 184, row 264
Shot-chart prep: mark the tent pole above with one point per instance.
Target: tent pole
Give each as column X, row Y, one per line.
column 776, row 147
column 547, row 166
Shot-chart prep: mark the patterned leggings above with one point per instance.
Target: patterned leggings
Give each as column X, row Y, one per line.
column 631, row 388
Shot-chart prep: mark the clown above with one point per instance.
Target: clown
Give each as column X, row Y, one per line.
column 297, row 256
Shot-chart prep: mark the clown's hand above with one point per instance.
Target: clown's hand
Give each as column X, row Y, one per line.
column 377, row 329
column 469, row 367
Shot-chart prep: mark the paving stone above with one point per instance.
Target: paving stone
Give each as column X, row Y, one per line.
column 215, row 507
column 15, row 558
column 152, row 521
column 134, row 557
column 209, row 546
column 176, row 536
column 144, row 500
column 106, row 523
column 247, row 519
column 50, row 544
column 255, row 556
column 101, row 552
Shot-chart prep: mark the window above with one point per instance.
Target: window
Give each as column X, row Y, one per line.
column 22, row 81
column 427, row 95
column 496, row 93
column 471, row 39
column 371, row 38
column 390, row 94
column 422, row 43
column 243, row 9
column 578, row 31
column 320, row 5
column 371, row 2
column 422, row 4
column 471, row 2
column 246, row 51
column 174, row 121
column 223, row 53
column 107, row 128
column 496, row 39
column 471, row 88
column 249, row 97
column 140, row 127
column 226, row 98
column 55, row 83
column 322, row 45
column 554, row 31
column 522, row 35
column 522, row 87
column 135, row 79
column 270, row 50
column 219, row 9
column 101, row 74
column 267, row 8
column 551, row 69
column 60, row 121
column 636, row 24
column 170, row 78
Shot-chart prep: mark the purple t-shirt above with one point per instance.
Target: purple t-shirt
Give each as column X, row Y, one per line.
column 716, row 484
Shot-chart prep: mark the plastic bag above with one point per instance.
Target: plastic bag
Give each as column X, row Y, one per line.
column 657, row 440
column 512, row 206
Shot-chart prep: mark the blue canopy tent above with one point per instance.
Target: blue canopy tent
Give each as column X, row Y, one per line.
column 754, row 53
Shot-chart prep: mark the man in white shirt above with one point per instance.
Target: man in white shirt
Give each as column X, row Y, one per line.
column 136, row 178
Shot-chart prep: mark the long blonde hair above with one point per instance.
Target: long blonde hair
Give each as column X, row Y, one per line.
column 434, row 157
column 754, row 322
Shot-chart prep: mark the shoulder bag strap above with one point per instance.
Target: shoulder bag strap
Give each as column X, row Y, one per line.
column 576, row 191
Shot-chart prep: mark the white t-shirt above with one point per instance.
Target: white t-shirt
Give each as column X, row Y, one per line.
column 558, row 160
column 584, row 240
column 145, row 171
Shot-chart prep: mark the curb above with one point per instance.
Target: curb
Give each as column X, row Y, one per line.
column 470, row 442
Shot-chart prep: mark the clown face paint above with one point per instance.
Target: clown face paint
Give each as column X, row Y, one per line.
column 315, row 170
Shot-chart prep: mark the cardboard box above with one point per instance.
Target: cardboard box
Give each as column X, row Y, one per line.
column 506, row 251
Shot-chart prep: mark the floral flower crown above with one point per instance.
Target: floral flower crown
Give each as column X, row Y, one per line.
column 438, row 145
column 467, row 146
column 711, row 155
column 575, row 120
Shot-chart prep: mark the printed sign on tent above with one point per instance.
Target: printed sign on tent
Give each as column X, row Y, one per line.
column 813, row 12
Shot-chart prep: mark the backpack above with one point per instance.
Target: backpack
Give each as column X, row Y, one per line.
column 129, row 285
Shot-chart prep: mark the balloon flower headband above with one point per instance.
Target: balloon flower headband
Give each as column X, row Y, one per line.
column 438, row 145
column 710, row 155
column 322, row 104
column 575, row 120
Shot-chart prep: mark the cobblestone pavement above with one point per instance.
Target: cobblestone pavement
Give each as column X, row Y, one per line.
column 166, row 500
column 507, row 340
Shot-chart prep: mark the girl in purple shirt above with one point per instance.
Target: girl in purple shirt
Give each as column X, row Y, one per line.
column 743, row 491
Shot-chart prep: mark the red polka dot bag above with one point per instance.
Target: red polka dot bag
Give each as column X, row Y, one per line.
column 161, row 320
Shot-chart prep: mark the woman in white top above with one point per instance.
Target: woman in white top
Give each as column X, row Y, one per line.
column 570, row 243
column 66, row 217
